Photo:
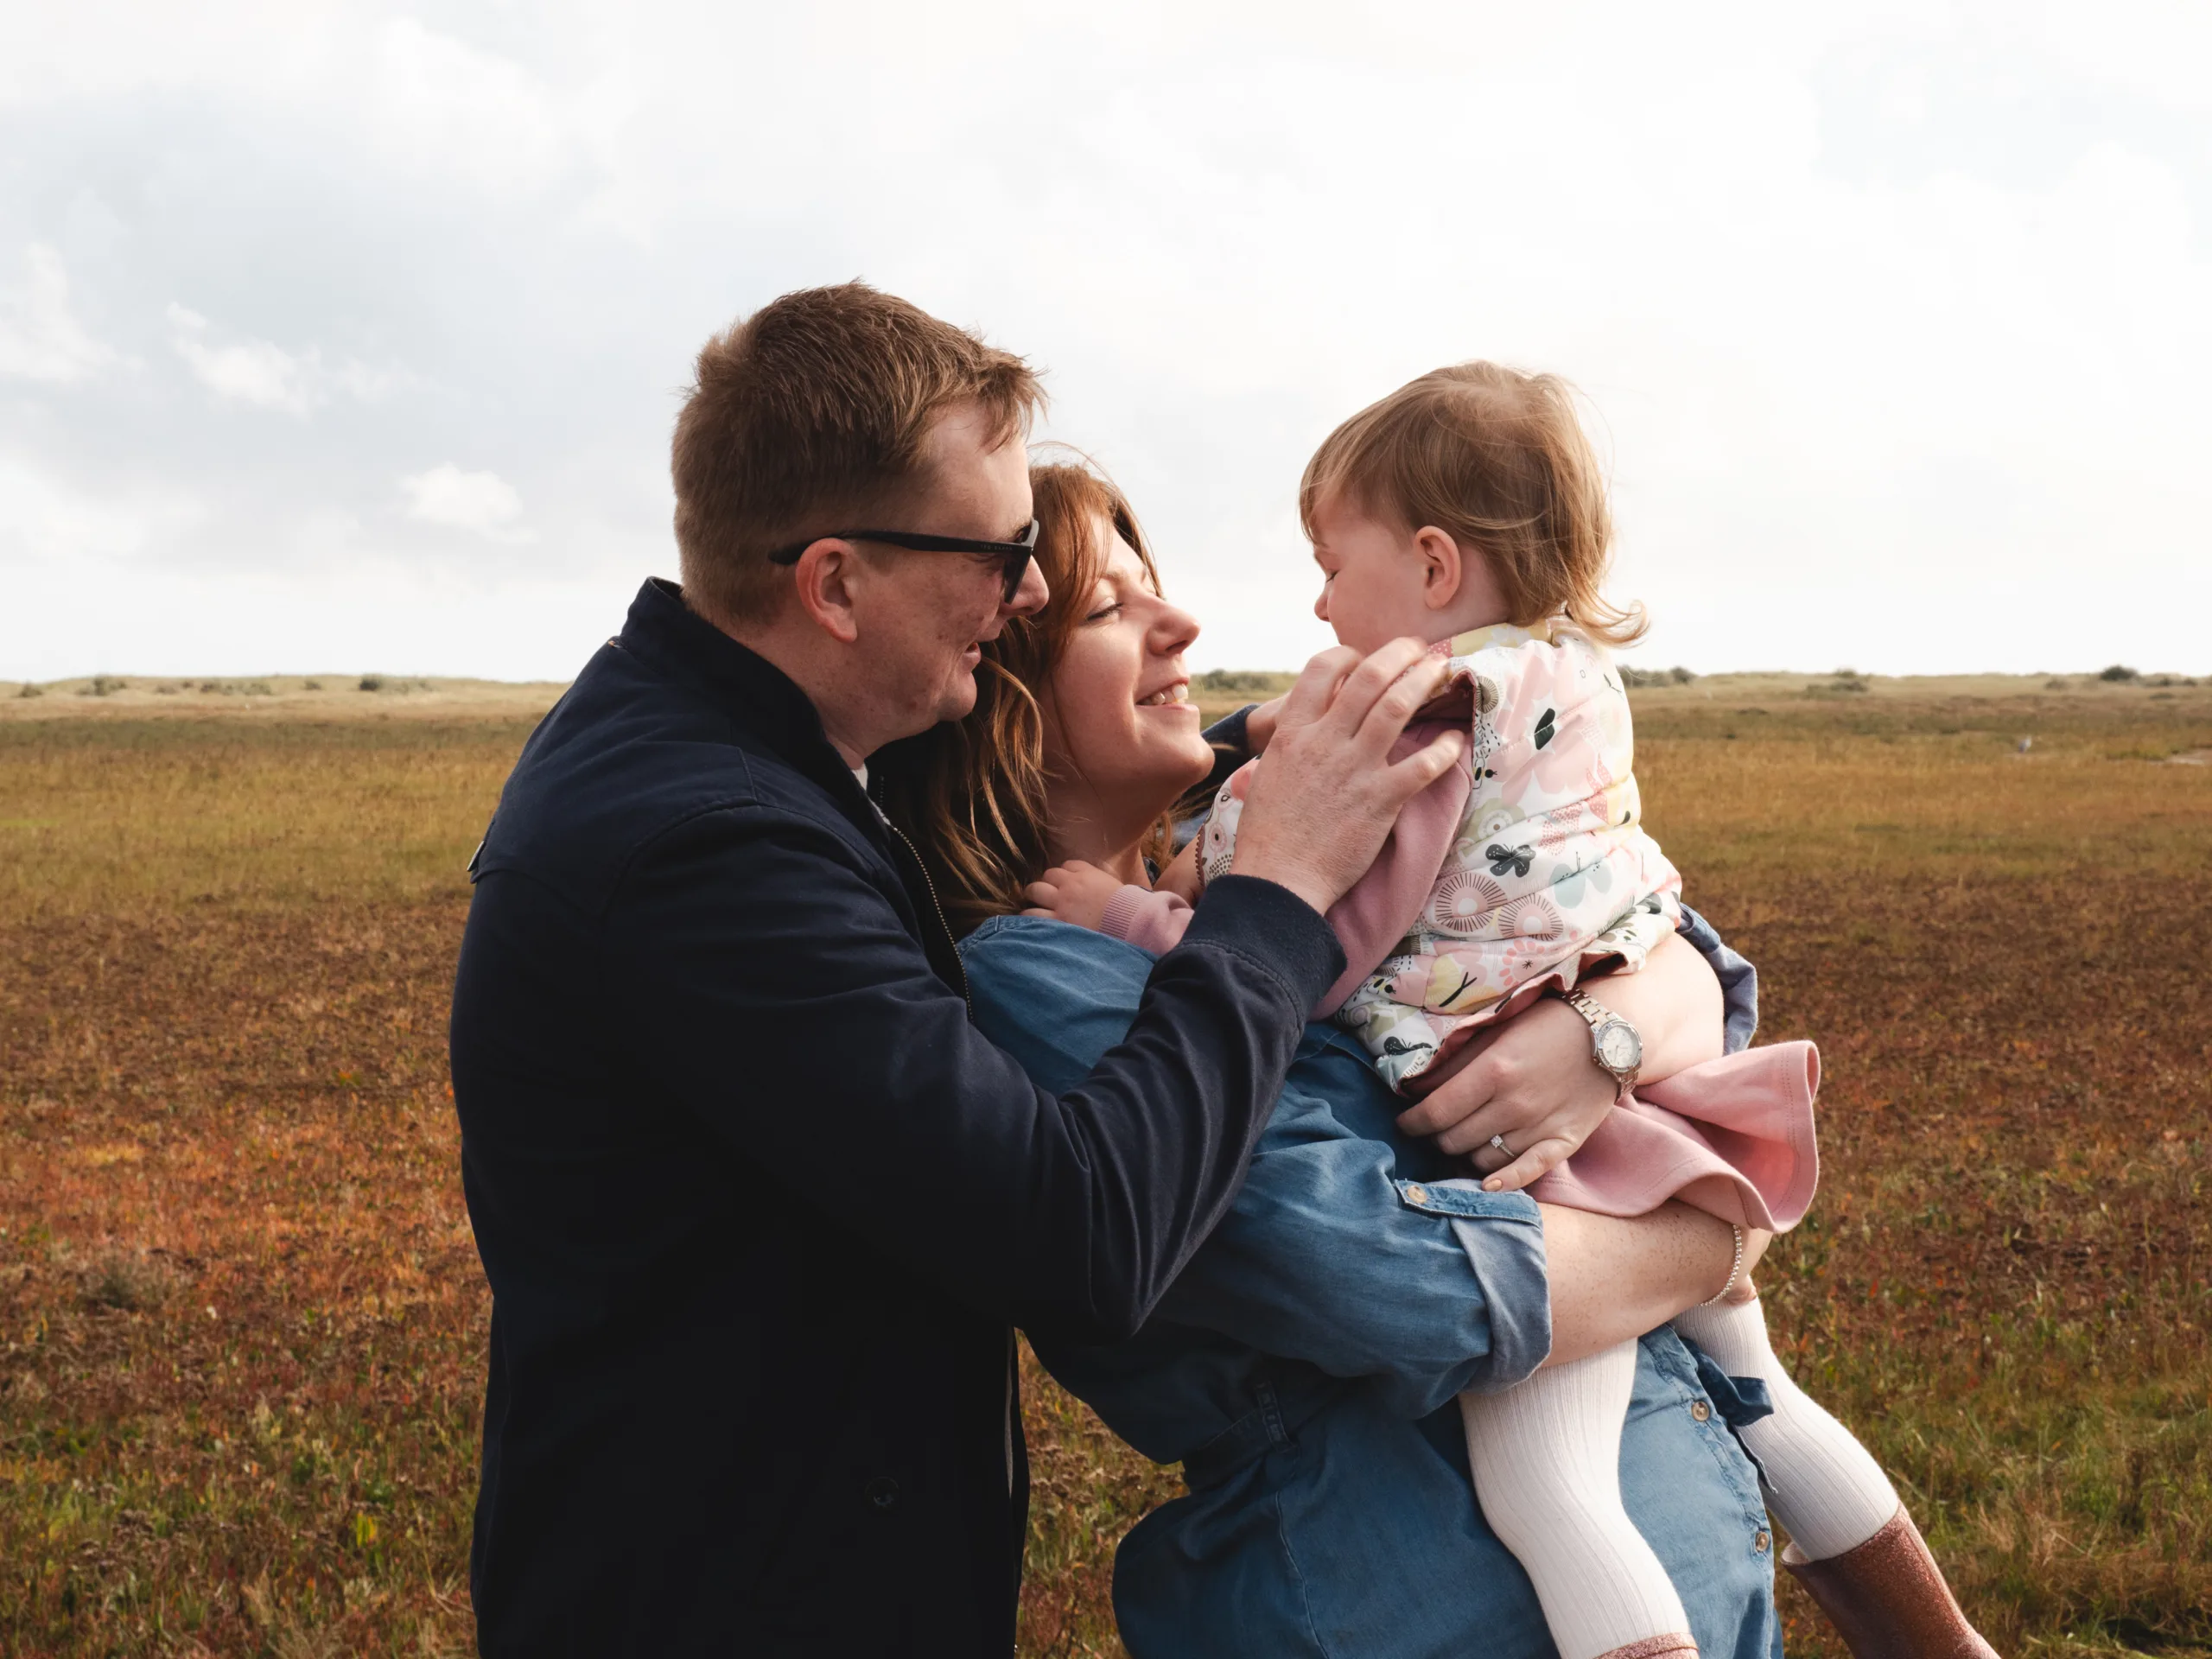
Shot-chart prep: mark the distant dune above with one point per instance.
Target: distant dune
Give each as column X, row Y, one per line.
column 315, row 696
column 378, row 697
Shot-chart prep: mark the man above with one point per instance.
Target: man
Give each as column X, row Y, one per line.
column 759, row 1206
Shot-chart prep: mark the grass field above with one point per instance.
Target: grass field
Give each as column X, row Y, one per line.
column 242, row 1322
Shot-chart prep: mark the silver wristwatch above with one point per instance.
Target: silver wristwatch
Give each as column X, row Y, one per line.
column 1615, row 1047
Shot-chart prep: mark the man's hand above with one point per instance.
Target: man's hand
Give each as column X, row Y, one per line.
column 1532, row 1084
column 1073, row 892
column 1260, row 724
column 1319, row 809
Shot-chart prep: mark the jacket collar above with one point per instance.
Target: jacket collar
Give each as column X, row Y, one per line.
column 745, row 686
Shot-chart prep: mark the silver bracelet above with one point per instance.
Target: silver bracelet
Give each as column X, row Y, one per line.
column 1734, row 1268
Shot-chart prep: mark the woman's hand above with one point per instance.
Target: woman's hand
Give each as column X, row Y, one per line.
column 1533, row 1084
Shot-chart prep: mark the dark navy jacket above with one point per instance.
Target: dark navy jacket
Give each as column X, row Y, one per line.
column 760, row 1205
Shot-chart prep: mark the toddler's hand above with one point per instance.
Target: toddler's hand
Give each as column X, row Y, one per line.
column 1073, row 892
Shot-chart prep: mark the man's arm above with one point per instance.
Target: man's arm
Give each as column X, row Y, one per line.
column 772, row 986
column 775, row 990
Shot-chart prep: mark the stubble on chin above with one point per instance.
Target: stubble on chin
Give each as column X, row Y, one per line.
column 958, row 700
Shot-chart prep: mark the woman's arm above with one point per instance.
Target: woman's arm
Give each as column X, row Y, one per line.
column 1329, row 1255
column 1613, row 1279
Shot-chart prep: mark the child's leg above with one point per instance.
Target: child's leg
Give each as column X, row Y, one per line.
column 1820, row 1482
column 1547, row 1459
column 1851, row 1542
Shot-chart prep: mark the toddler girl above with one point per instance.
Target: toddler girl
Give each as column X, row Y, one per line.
column 1467, row 508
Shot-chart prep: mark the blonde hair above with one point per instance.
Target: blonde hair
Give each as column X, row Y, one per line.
column 1497, row 459
column 972, row 793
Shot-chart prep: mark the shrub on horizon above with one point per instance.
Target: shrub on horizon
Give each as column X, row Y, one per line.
column 1637, row 678
column 1236, row 679
column 2119, row 673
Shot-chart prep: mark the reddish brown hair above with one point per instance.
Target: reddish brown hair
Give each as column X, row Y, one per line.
column 1496, row 460
column 972, row 793
column 808, row 413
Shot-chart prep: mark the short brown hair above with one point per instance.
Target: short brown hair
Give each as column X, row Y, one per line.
column 810, row 410
column 1497, row 459
column 971, row 793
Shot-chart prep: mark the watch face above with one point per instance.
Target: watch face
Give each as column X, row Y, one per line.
column 1619, row 1047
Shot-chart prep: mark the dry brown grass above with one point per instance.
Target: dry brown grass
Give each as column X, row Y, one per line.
column 227, row 946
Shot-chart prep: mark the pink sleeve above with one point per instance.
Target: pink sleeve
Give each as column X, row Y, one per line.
column 1151, row 921
column 1385, row 903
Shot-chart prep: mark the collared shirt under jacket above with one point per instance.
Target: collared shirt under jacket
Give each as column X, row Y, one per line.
column 758, row 1203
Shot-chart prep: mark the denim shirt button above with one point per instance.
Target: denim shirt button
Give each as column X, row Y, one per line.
column 1761, row 1538
column 1699, row 1410
column 1417, row 1194
column 882, row 1492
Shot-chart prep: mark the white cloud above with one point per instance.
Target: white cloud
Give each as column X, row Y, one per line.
column 1890, row 313
column 263, row 375
column 45, row 521
column 482, row 502
column 439, row 103
column 247, row 371
column 40, row 336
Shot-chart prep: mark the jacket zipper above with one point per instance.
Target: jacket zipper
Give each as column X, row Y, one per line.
column 943, row 926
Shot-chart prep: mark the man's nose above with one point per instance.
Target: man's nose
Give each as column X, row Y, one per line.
column 1031, row 596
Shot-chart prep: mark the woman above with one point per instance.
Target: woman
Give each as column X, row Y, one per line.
column 1303, row 1366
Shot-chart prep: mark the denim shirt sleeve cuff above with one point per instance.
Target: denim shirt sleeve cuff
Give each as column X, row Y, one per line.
column 1273, row 927
column 1502, row 1235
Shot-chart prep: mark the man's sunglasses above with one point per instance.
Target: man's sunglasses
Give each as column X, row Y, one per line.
column 1015, row 555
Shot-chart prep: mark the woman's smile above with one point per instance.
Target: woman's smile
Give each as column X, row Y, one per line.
column 1175, row 694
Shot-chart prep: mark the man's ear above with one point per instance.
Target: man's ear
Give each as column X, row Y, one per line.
column 821, row 583
column 1442, row 569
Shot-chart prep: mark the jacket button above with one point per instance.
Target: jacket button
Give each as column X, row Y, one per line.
column 1761, row 1538
column 1417, row 1194
column 1699, row 1410
column 882, row 1492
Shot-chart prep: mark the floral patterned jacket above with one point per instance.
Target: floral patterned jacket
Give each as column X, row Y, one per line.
column 1522, row 868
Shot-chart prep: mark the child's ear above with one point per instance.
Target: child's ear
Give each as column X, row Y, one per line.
column 1442, row 570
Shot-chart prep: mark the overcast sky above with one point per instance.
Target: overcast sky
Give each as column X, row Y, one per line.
column 348, row 336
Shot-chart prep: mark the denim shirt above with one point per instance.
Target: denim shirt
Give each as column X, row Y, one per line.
column 1303, row 1366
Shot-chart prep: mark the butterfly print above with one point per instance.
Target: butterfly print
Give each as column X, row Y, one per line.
column 1502, row 859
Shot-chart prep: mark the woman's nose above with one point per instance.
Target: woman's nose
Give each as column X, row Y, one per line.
column 1321, row 602
column 1174, row 631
